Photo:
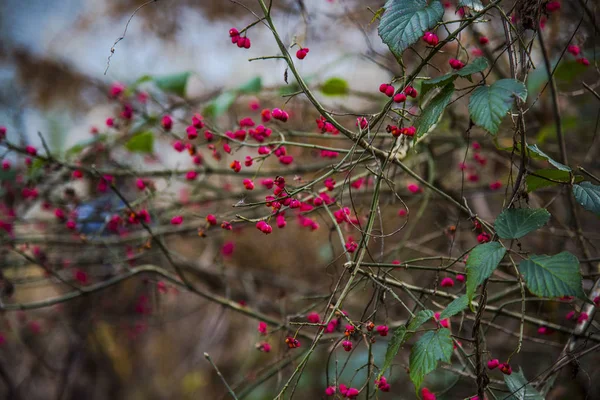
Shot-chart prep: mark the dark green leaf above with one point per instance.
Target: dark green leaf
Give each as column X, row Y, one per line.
column 175, row 83
column 456, row 306
column 553, row 276
column 438, row 81
column 533, row 148
column 78, row 147
column 254, row 85
column 142, row 142
column 588, row 195
column 8, row 175
column 404, row 22
column 536, row 180
column 434, row 110
column 334, row 87
column 478, row 65
column 514, row 223
column 419, row 319
column 489, row 104
column 432, row 347
column 397, row 340
column 220, row 105
column 482, row 262
column 520, row 388
column 474, row 5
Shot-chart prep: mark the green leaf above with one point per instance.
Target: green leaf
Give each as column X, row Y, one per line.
column 514, row 223
column 334, row 87
column 9, row 175
column 79, row 146
column 175, row 83
column 553, row 276
column 397, row 340
column 478, row 65
column 482, row 262
column 474, row 5
column 432, row 347
column 489, row 104
column 404, row 22
column 434, row 110
column 142, row 142
column 254, row 85
column 220, row 105
column 533, row 148
column 456, row 306
column 419, row 319
column 538, row 182
column 520, row 388
column 438, row 81
column 588, row 195
column 401, row 335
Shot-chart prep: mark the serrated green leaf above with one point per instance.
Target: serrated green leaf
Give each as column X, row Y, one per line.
column 588, row 195
column 334, row 87
column 432, row 347
column 404, row 22
column 489, row 104
column 142, row 142
column 474, row 5
column 254, row 85
column 175, row 83
column 220, row 105
column 553, row 276
column 537, row 180
column 478, row 65
column 533, row 148
column 456, row 306
column 519, row 387
column 434, row 110
column 438, row 81
column 419, row 319
column 514, row 223
column 397, row 340
column 482, row 262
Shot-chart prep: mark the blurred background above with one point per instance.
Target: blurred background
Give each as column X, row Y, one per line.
column 145, row 338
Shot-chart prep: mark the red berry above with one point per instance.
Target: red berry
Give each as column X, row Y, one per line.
column 302, row 52
column 389, row 91
column 493, row 363
column 167, row 122
column 400, row 98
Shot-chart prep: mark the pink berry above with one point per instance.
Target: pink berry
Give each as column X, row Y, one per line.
column 460, row 278
column 574, row 49
column 191, row 175
column 178, row 146
column 167, row 122
column 505, row 368
column 383, row 330
column 176, row 220
column 493, row 363
column 347, row 345
column 483, row 40
column 330, row 391
column 302, row 52
column 211, row 219
column 447, row 282
column 400, row 98
column 426, row 394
